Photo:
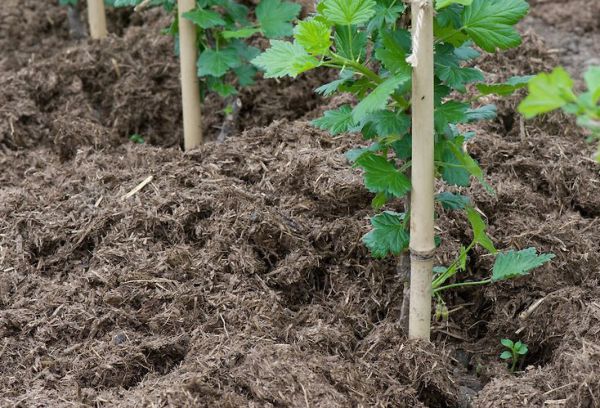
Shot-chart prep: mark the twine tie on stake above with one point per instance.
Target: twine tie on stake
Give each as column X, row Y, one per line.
column 416, row 32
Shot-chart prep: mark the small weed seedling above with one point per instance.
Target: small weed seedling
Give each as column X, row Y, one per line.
column 368, row 43
column 516, row 351
column 548, row 92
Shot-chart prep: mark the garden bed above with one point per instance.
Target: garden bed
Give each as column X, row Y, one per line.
column 236, row 277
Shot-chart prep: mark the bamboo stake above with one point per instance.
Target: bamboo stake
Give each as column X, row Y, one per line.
column 422, row 245
column 190, row 91
column 97, row 19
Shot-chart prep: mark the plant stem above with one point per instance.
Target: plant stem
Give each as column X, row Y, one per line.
column 461, row 284
column 515, row 357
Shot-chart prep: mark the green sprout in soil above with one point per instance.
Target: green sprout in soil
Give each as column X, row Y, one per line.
column 368, row 42
column 137, row 138
column 516, row 352
column 548, row 92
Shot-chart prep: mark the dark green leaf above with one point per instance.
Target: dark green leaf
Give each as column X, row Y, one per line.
column 388, row 236
column 382, row 176
column 275, row 17
column 451, row 201
column 513, row 264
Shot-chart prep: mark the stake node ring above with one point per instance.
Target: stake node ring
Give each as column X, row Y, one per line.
column 422, row 255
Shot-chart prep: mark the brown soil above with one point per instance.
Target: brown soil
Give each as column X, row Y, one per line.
column 236, row 277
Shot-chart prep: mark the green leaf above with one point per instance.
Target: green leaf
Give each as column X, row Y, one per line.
column 513, row 264
column 217, row 62
column 507, row 343
column 450, row 112
column 485, row 112
column 378, row 99
column 521, row 348
column 204, row 18
column 336, row 121
column 506, row 355
column 592, row 80
column 479, row 227
column 241, row 33
column 505, row 88
column 451, row 201
column 350, row 43
column 388, row 235
column 245, row 74
column 353, row 154
column 490, row 23
column 224, row 90
column 457, row 77
column 385, row 14
column 275, row 17
column 382, row 176
column 285, row 58
column 314, row 36
column 440, row 4
column 331, row 87
column 392, row 50
column 379, row 201
column 547, row 92
column 349, row 12
column 389, row 123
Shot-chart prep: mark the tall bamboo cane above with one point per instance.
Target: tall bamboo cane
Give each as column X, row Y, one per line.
column 422, row 243
column 97, row 19
column 190, row 91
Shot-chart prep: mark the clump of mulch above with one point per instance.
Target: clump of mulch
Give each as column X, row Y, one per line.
column 236, row 276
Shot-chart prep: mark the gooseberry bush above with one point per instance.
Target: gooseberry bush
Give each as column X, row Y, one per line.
column 368, row 43
column 554, row 90
column 224, row 28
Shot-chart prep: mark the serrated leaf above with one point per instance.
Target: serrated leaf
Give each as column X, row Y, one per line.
column 592, row 80
column 336, row 121
column 388, row 235
column 285, row 58
column 485, row 112
column 204, row 18
column 349, row 12
column 245, row 74
column 490, row 23
column 440, row 4
column 506, row 355
column 314, row 36
column 385, row 14
column 466, row 52
column 241, row 33
column 379, row 201
column 450, row 112
column 451, row 201
column 392, row 50
column 217, row 62
column 275, row 16
column 350, row 43
column 353, row 154
column 506, row 88
column 378, row 99
column 331, row 87
column 512, row 264
column 382, row 176
column 547, row 92
column 388, row 123
column 458, row 77
column 479, row 227
column 224, row 90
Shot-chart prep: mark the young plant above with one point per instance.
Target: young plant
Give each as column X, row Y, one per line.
column 516, row 351
column 548, row 92
column 367, row 41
